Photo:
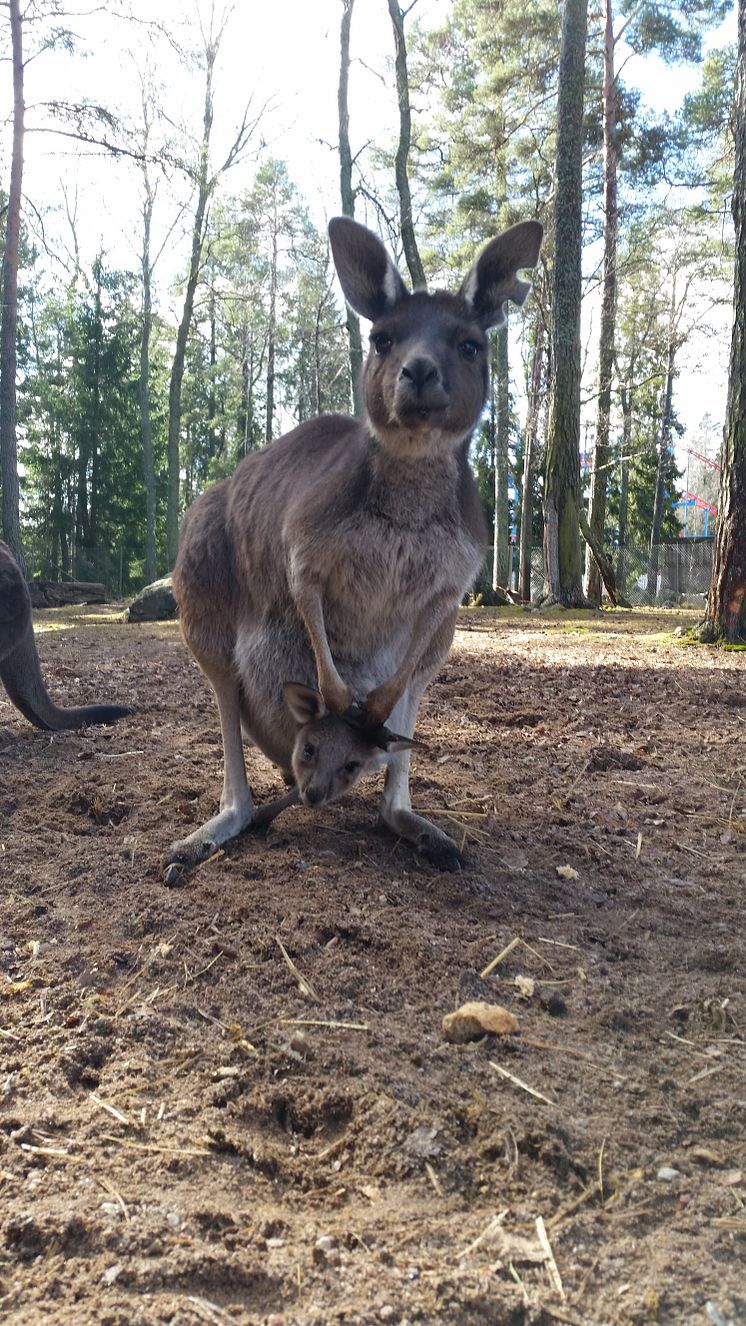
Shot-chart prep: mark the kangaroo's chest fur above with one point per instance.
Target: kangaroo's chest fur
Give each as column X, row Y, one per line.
column 381, row 537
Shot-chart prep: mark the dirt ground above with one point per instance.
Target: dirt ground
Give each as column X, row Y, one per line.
column 193, row 1130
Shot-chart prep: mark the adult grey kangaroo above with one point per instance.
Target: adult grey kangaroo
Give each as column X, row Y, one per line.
column 20, row 670
column 338, row 555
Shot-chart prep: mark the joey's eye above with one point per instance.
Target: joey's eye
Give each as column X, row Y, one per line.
column 308, row 751
column 469, row 349
column 381, row 343
column 352, row 766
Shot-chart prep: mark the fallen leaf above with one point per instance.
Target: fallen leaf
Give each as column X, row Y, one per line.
column 525, row 986
column 567, row 872
column 477, row 1019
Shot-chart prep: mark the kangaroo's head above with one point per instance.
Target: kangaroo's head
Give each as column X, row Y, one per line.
column 426, row 374
column 331, row 754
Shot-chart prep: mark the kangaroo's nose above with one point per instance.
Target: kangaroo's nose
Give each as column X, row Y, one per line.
column 313, row 795
column 421, row 372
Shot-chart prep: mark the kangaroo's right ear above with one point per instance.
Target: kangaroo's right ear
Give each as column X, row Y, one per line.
column 369, row 279
column 304, row 703
column 391, row 741
column 493, row 279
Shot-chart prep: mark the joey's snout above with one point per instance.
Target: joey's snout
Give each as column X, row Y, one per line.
column 314, row 794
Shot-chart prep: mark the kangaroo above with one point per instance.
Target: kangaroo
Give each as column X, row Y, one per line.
column 20, row 669
column 339, row 554
column 329, row 755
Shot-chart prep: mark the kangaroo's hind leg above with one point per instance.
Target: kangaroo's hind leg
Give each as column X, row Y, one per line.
column 236, row 805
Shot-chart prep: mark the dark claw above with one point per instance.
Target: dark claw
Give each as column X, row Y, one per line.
column 443, row 855
column 174, row 874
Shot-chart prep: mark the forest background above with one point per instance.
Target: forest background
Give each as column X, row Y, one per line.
column 176, row 303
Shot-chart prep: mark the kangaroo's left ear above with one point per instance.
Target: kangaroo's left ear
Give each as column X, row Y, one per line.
column 371, row 283
column 304, row 703
column 493, row 279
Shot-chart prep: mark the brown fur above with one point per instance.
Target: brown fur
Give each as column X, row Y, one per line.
column 20, row 670
column 339, row 554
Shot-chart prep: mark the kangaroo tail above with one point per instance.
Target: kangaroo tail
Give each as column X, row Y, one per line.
column 20, row 670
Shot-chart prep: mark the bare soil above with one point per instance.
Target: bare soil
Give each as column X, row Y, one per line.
column 190, row 1132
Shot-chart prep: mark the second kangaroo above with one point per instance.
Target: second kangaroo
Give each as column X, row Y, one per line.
column 339, row 554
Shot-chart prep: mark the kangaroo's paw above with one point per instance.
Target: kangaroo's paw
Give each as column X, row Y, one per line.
column 426, row 839
column 186, row 853
column 442, row 852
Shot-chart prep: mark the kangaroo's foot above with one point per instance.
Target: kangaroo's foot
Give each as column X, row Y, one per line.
column 426, row 839
column 264, row 815
column 186, row 853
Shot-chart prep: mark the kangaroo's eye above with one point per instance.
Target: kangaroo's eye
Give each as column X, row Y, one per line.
column 381, row 343
column 469, row 349
column 352, row 766
column 308, row 751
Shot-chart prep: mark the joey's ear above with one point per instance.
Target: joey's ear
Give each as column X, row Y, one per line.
column 368, row 277
column 304, row 703
column 494, row 277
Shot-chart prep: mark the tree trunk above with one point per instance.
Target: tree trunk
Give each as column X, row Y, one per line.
column 271, row 332
column 146, row 425
column 529, row 451
column 562, row 548
column 411, row 252
column 182, row 335
column 348, row 198
column 597, row 506
column 8, row 322
column 95, row 433
column 663, row 452
column 621, row 573
column 212, row 391
column 726, row 603
column 501, row 387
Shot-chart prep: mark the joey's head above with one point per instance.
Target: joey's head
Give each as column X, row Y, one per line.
column 331, row 754
column 426, row 374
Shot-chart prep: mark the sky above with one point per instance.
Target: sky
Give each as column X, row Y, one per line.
column 282, row 56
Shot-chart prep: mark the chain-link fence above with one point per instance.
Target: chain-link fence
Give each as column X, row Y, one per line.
column 683, row 579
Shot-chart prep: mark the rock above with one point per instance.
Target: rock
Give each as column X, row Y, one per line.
column 300, row 1044
column 325, row 1251
column 668, row 1174
column 112, row 1273
column 154, row 603
column 326, row 1242
column 476, row 1019
column 554, row 1004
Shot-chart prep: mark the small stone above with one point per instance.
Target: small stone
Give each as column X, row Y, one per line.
column 326, row 1252
column 387, row 1313
column 174, row 1219
column 554, row 1004
column 667, row 1173
column 275, row 1243
column 112, row 1273
column 326, row 1242
column 110, row 1208
column 300, row 1044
